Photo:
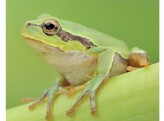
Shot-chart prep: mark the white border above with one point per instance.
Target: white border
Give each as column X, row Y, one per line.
column 161, row 44
column 3, row 60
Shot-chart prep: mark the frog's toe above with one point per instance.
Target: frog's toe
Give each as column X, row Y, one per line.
column 39, row 101
column 92, row 102
column 51, row 96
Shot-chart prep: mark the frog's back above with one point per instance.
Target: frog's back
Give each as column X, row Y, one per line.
column 98, row 38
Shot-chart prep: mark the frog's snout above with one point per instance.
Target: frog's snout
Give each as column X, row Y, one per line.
column 29, row 24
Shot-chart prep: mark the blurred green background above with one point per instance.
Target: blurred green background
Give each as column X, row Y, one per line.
column 134, row 21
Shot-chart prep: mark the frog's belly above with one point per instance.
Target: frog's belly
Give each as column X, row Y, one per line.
column 76, row 67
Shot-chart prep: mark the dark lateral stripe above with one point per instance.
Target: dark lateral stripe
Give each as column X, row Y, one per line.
column 66, row 36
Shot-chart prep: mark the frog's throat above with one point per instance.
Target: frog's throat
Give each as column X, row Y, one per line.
column 66, row 36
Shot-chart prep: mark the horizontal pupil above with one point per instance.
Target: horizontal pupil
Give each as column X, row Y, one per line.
column 49, row 26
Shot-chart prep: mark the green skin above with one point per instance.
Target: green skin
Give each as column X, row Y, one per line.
column 77, row 63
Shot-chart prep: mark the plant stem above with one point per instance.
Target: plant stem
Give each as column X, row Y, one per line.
column 128, row 97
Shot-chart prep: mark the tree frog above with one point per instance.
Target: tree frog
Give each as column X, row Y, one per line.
column 81, row 55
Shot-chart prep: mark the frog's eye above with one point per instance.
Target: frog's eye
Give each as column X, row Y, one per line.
column 50, row 27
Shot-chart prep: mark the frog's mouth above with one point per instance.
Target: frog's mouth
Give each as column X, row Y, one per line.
column 40, row 46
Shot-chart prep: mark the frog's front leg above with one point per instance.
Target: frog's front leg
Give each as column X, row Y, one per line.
column 49, row 94
column 101, row 73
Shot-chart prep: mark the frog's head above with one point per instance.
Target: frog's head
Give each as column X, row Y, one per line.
column 42, row 33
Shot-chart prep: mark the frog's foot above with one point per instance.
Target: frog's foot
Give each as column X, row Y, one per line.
column 49, row 94
column 138, row 60
column 86, row 91
column 131, row 68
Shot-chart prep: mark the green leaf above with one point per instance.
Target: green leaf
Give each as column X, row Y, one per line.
column 128, row 97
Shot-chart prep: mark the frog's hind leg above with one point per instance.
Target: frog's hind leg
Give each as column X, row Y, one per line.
column 137, row 59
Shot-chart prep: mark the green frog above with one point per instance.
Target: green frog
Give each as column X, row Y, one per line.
column 81, row 55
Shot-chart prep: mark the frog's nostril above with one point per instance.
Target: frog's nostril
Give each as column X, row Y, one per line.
column 28, row 24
